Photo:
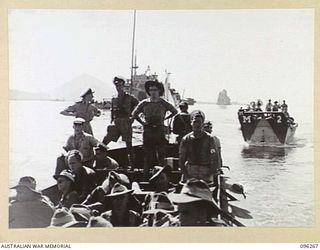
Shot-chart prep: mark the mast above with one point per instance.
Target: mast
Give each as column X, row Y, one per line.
column 132, row 49
column 135, row 64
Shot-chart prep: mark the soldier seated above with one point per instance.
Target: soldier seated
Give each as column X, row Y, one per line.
column 102, row 161
column 84, row 177
column 196, row 206
column 29, row 209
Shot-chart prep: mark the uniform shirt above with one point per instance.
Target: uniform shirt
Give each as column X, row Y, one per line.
column 97, row 195
column 284, row 107
column 69, row 199
column 35, row 213
column 82, row 182
column 154, row 112
column 83, row 110
column 268, row 107
column 123, row 106
column 182, row 124
column 132, row 219
column 275, row 107
column 199, row 151
column 84, row 144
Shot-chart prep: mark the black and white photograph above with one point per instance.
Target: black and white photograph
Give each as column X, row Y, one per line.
column 161, row 118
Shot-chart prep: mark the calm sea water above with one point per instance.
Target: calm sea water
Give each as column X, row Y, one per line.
column 278, row 181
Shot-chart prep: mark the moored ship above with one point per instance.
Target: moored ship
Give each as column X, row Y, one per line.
column 136, row 86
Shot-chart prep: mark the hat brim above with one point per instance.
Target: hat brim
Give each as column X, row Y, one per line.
column 56, row 176
column 88, row 92
column 119, row 178
column 120, row 193
column 157, row 210
column 184, row 198
column 164, row 169
column 70, row 224
column 33, row 190
column 159, row 85
column 81, row 217
column 183, row 105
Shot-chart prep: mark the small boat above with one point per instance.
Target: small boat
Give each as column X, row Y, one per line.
column 119, row 153
column 220, row 190
column 264, row 128
column 189, row 100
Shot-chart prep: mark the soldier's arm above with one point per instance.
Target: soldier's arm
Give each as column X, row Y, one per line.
column 70, row 111
column 136, row 112
column 95, row 142
column 67, row 147
column 73, row 199
column 175, row 124
column 97, row 112
column 112, row 110
column 213, row 155
column 134, row 102
column 218, row 145
column 183, row 157
column 172, row 109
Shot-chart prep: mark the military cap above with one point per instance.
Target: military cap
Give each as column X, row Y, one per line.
column 67, row 173
column 207, row 124
column 197, row 113
column 183, row 104
column 157, row 84
column 118, row 79
column 75, row 153
column 86, row 92
column 78, row 120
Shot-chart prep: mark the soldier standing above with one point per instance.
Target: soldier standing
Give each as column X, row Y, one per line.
column 181, row 122
column 276, row 107
column 84, row 109
column 269, row 105
column 198, row 153
column 121, row 108
column 284, row 107
column 154, row 110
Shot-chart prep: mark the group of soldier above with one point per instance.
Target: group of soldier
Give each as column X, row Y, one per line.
column 117, row 201
column 275, row 107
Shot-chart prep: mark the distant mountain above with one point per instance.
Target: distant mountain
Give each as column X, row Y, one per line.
column 72, row 89
column 24, row 95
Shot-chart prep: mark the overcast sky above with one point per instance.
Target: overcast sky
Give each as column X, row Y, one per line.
column 251, row 53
